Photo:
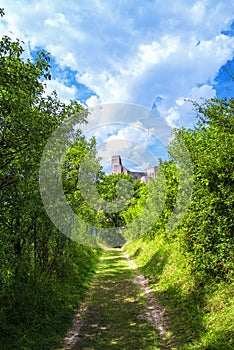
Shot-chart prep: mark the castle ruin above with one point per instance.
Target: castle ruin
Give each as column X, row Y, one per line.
column 118, row 168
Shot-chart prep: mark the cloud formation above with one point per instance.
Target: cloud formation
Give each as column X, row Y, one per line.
column 152, row 53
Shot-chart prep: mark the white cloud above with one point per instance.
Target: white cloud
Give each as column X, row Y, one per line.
column 198, row 12
column 92, row 101
column 134, row 156
column 129, row 140
column 130, row 51
column 183, row 111
column 65, row 93
column 157, row 52
column 205, row 91
column 134, row 133
column 56, row 20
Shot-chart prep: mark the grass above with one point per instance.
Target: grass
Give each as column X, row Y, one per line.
column 36, row 316
column 201, row 315
column 115, row 315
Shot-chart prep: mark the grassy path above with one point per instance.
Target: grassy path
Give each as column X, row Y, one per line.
column 114, row 315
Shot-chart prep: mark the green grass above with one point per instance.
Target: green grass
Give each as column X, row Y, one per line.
column 201, row 315
column 114, row 317
column 36, row 316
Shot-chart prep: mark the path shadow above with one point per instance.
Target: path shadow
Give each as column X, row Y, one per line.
column 186, row 310
column 114, row 318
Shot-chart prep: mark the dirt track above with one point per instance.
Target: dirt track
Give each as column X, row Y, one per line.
column 120, row 311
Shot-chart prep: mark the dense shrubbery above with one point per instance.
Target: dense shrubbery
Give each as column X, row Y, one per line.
column 191, row 267
column 206, row 231
column 37, row 291
column 37, row 261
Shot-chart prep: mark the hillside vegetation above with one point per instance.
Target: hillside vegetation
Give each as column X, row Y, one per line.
column 45, row 274
column 192, row 266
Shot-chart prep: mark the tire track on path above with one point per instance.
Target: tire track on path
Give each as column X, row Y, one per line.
column 120, row 311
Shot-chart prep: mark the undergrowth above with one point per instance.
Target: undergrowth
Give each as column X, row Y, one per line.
column 35, row 315
column 201, row 314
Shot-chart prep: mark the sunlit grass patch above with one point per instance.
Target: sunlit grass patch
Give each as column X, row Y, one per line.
column 116, row 305
column 201, row 315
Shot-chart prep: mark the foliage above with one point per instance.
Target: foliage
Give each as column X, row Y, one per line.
column 191, row 267
column 36, row 259
column 200, row 314
column 118, row 191
column 27, row 120
column 81, row 170
column 206, row 231
column 36, row 315
column 153, row 203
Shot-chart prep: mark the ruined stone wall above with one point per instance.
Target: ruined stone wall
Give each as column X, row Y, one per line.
column 151, row 172
column 137, row 174
column 118, row 168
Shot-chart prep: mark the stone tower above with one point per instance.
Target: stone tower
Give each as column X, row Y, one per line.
column 116, row 165
column 118, row 168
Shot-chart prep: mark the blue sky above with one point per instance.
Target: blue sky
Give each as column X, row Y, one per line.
column 154, row 54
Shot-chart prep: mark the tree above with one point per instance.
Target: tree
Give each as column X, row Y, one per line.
column 207, row 231
column 43, row 272
column 27, row 120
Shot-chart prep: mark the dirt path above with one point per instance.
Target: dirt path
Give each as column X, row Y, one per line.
column 120, row 311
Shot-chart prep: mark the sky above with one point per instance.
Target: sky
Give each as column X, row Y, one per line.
column 142, row 59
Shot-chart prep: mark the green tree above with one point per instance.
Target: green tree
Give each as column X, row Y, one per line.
column 205, row 230
column 27, row 120
column 37, row 292
column 208, row 229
